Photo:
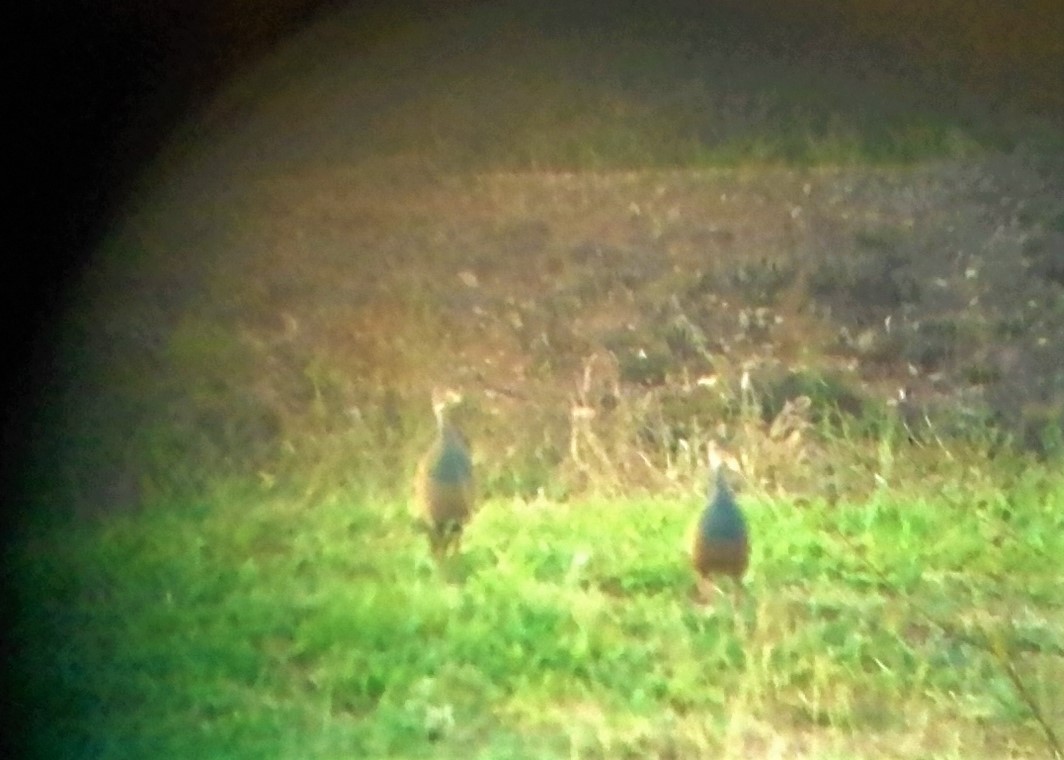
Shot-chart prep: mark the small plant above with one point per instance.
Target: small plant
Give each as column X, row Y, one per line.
column 761, row 282
column 268, row 621
column 883, row 240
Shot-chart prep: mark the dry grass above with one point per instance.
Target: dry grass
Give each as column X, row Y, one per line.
column 615, row 270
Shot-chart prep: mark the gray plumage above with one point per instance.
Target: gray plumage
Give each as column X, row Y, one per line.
column 721, row 542
column 444, row 480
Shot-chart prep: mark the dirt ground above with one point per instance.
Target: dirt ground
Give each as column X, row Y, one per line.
column 945, row 279
column 269, row 282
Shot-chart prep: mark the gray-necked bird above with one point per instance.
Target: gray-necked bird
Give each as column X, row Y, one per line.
column 443, row 486
column 721, row 544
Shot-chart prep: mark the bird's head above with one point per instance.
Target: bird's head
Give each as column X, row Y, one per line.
column 444, row 398
column 719, row 463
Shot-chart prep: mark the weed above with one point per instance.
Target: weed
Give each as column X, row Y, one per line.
column 510, row 221
column 258, row 622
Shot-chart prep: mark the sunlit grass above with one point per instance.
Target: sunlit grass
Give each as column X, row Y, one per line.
column 251, row 625
column 894, row 584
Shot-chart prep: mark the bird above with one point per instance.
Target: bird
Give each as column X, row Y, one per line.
column 443, row 485
column 721, row 544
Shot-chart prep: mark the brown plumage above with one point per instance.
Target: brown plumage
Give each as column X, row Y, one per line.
column 444, row 482
column 720, row 545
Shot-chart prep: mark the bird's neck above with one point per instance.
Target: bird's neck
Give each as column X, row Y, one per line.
column 447, row 430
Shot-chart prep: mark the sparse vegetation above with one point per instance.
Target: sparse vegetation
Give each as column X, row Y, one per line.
column 621, row 248
column 254, row 623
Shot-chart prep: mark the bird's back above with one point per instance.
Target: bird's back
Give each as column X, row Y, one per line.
column 450, row 463
column 721, row 541
column 445, row 486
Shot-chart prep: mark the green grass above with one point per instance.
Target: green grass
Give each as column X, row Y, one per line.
column 269, row 626
column 917, row 614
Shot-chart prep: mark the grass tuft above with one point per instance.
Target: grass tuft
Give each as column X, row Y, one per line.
column 255, row 622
